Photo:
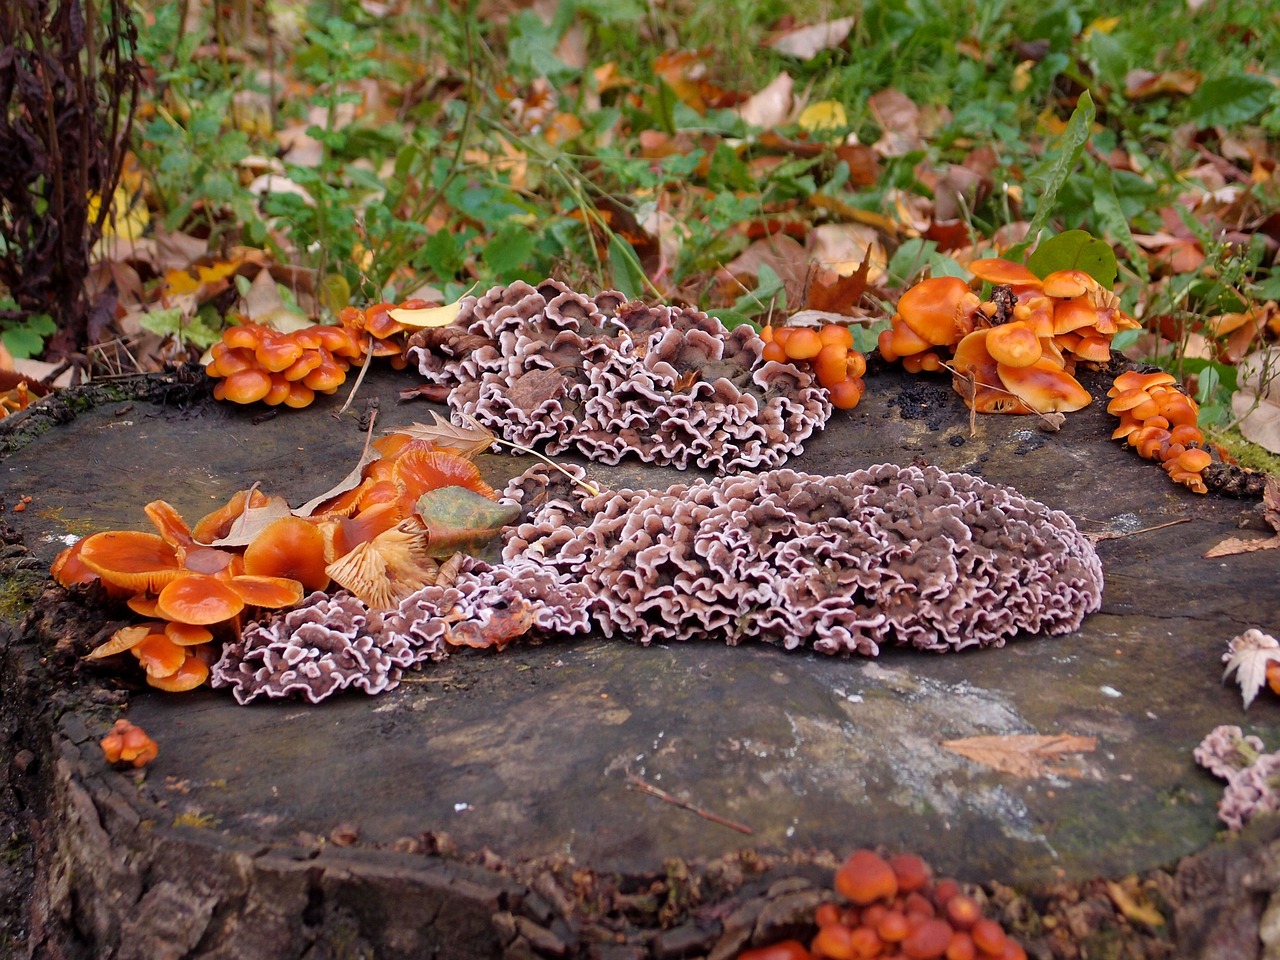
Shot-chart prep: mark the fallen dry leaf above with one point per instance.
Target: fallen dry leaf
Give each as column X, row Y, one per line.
column 1257, row 402
column 1134, row 905
column 771, row 106
column 1270, row 513
column 253, row 521
column 807, row 42
column 1026, row 755
column 464, row 441
column 427, row 316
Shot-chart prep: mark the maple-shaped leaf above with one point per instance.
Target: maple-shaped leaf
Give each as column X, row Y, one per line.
column 464, row 441
column 1248, row 655
column 1270, row 513
column 1024, row 754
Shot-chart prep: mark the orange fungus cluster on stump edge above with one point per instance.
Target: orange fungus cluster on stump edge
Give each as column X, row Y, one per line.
column 253, row 362
column 1159, row 421
column 829, row 351
column 196, row 586
column 1017, row 351
column 895, row 908
column 128, row 745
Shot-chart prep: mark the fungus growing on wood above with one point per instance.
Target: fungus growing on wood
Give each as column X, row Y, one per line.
column 548, row 366
column 1035, row 331
column 139, row 562
column 909, row 555
column 836, row 365
column 290, row 547
column 128, row 745
column 1159, row 421
column 1250, row 772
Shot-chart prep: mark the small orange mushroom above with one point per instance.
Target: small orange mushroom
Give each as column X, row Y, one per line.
column 1044, row 387
column 198, row 598
column 266, row 591
column 190, row 675
column 977, row 377
column 1014, row 344
column 804, row 344
column 939, row 310
column 128, row 744
column 247, row 386
column 159, row 655
column 289, row 547
column 130, row 559
column 998, row 270
column 865, row 878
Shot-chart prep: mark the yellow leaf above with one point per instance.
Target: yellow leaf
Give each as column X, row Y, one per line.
column 1102, row 25
column 1022, row 76
column 823, row 115
column 428, row 316
column 128, row 216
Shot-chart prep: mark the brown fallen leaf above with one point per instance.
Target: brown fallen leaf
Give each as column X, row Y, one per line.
column 352, row 480
column 465, row 441
column 1270, row 513
column 1026, row 755
column 253, row 521
column 1135, row 906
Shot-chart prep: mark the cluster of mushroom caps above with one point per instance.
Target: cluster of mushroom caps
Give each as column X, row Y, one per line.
column 1159, row 421
column 829, row 350
column 1015, row 352
column 254, row 362
column 196, row 586
column 895, row 908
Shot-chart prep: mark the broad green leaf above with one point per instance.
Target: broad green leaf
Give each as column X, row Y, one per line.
column 27, row 339
column 1111, row 219
column 1230, row 100
column 628, row 275
column 509, row 249
column 459, row 520
column 735, row 318
column 1045, row 184
column 1075, row 250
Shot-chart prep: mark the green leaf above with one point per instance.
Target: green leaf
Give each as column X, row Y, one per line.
column 628, row 275
column 1226, row 101
column 459, row 520
column 1048, row 180
column 734, row 318
column 1111, row 219
column 26, row 339
column 1075, row 250
column 509, row 249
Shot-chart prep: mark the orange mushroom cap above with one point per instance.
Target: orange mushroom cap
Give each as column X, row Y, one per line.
column 939, row 310
column 309, row 360
column 1132, row 380
column 999, row 270
column 865, row 878
column 68, row 569
column 1073, row 314
column 901, row 341
column 243, row 336
column 1014, row 344
column 1044, row 386
column 173, row 529
column 159, row 655
column 247, row 386
column 198, row 598
column 289, row 547
column 422, row 470
column 277, row 352
column 1093, row 349
column 129, row 559
column 804, row 343
column 270, row 592
column 228, row 360
column 328, row 376
column 190, row 675
column 1066, row 284
column 187, row 634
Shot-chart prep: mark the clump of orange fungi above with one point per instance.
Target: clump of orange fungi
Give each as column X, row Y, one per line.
column 1015, row 352
column 128, row 745
column 1159, row 422
column 256, row 363
column 195, row 586
column 896, row 908
column 828, row 351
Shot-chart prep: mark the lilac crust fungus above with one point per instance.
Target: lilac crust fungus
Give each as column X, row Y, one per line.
column 889, row 554
column 1253, row 777
column 606, row 376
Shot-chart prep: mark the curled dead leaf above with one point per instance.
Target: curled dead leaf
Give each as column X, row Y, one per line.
column 1026, row 755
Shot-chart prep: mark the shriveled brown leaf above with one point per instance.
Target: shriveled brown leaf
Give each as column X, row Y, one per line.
column 1026, row 755
column 1130, row 900
column 253, row 521
column 498, row 630
column 1139, row 84
column 464, row 441
column 1270, row 512
column 834, row 292
column 771, row 106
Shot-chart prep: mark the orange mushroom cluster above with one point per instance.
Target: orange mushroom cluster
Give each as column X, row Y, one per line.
column 196, row 585
column 128, row 745
column 1159, row 421
column 894, row 908
column 253, row 362
column 1016, row 352
column 829, row 351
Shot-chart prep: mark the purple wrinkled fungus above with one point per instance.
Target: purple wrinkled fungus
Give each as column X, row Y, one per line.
column 608, row 377
column 890, row 554
column 1253, row 777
